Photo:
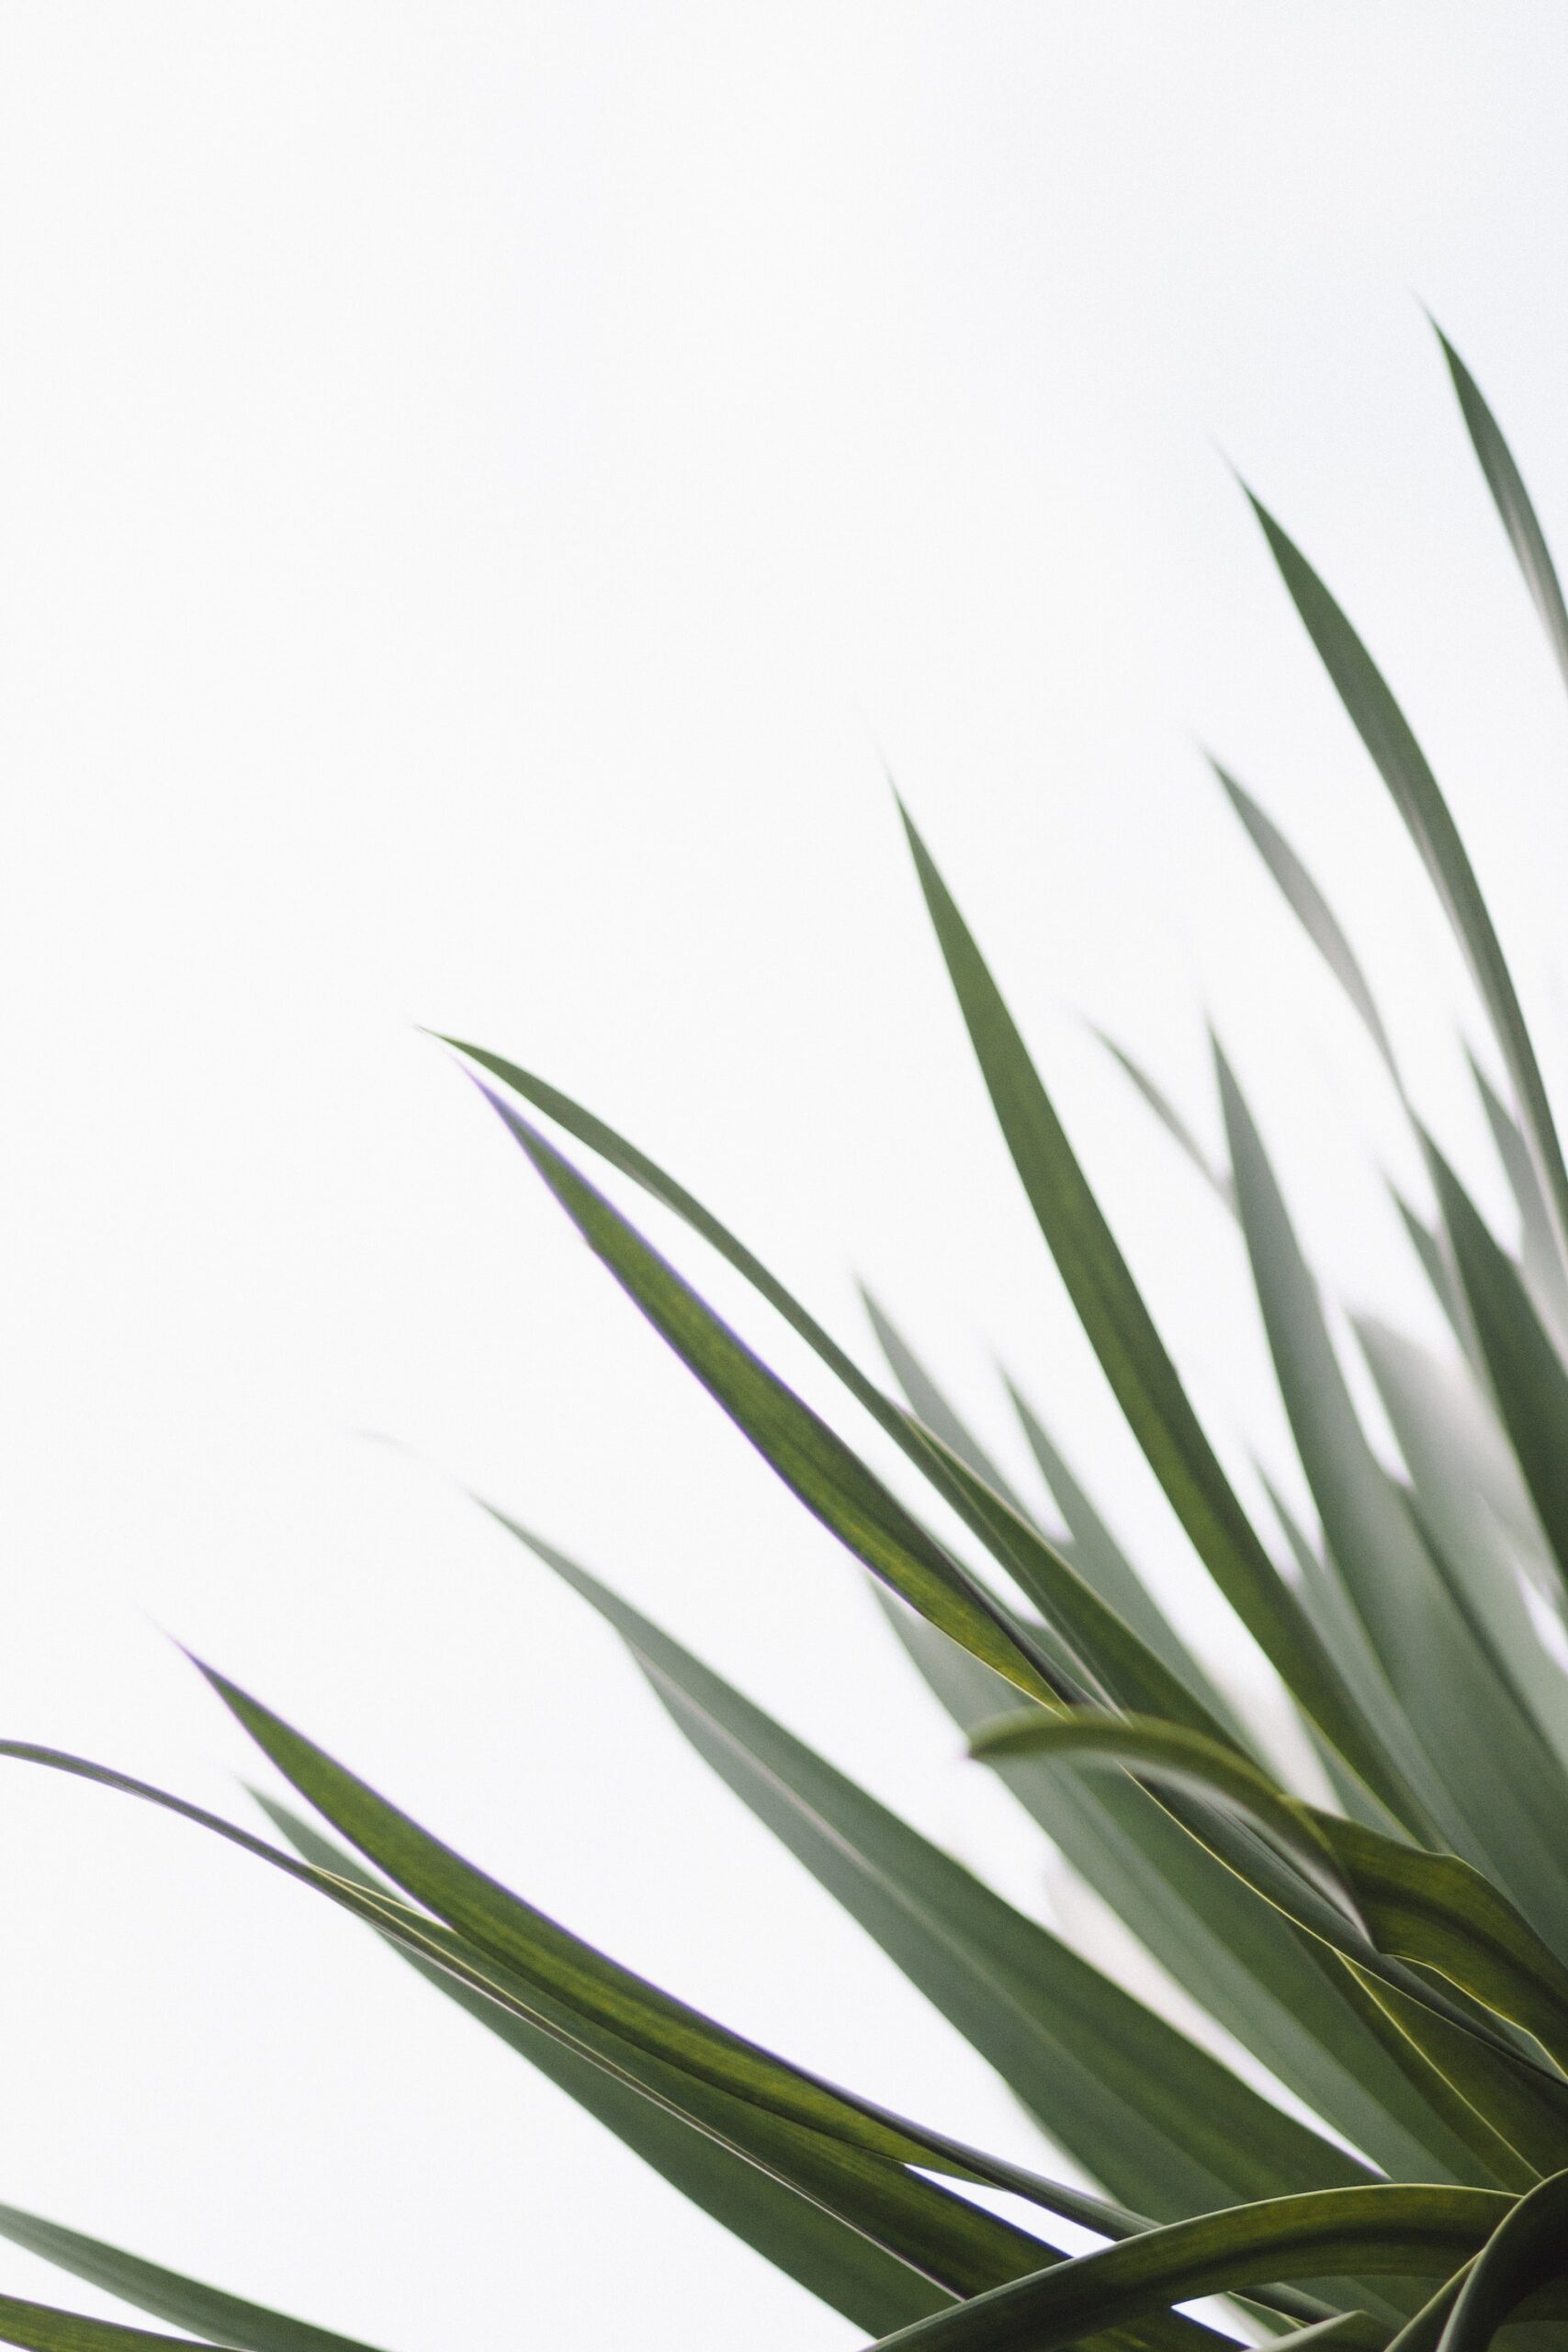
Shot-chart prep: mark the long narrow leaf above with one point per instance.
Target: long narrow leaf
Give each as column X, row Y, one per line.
column 1384, row 2231
column 1401, row 763
column 1506, row 484
column 812, row 1460
column 1528, row 1375
column 1155, row 2117
column 1311, row 909
column 1140, row 1372
column 1527, row 2252
column 206, row 2311
column 1279, row 1989
column 1494, row 1786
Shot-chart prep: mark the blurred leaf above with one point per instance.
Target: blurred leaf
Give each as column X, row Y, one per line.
column 1527, row 1373
column 1494, row 1787
column 1171, row 1120
column 1506, row 485
column 41, row 2328
column 1311, row 909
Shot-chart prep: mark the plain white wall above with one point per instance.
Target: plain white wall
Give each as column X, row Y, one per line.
column 482, row 489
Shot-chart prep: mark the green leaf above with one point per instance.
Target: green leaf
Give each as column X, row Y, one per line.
column 1502, row 2102
column 1013, row 1540
column 1377, row 1903
column 1170, row 1119
column 1506, row 485
column 1098, row 1558
column 1140, row 1372
column 41, row 2328
column 1284, row 1994
column 204, row 2311
column 1527, row 1373
column 1401, row 763
column 813, row 1461
column 1543, row 1269
column 1527, row 2252
column 1158, row 2120
column 1474, row 1501
column 572, row 1983
column 934, row 1409
column 783, row 2192
column 1494, row 1789
column 1436, row 1910
column 1172, row 1757
column 1105, row 1659
column 1311, row 909
column 1382, row 2230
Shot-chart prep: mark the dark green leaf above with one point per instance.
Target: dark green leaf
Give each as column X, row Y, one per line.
column 1401, row 763
column 1506, row 485
column 1279, row 1989
column 1527, row 2252
column 38, row 2328
column 1172, row 1757
column 1384, row 2230
column 812, row 1460
column 1492, row 1787
column 1527, row 1373
column 1133, row 1357
column 1161, row 2123
column 205, row 2312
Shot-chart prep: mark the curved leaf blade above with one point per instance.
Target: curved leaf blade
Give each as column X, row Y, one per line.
column 1156, row 2119
column 1384, row 2230
column 1527, row 2252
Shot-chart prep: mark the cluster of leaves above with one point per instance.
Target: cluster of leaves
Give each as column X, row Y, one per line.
column 1399, row 1961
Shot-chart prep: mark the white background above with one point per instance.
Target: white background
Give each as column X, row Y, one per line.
column 481, row 490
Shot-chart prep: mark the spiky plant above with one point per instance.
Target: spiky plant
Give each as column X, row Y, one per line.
column 1399, row 1961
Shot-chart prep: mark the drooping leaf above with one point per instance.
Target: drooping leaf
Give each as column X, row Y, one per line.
column 1377, row 1903
column 782, row 2191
